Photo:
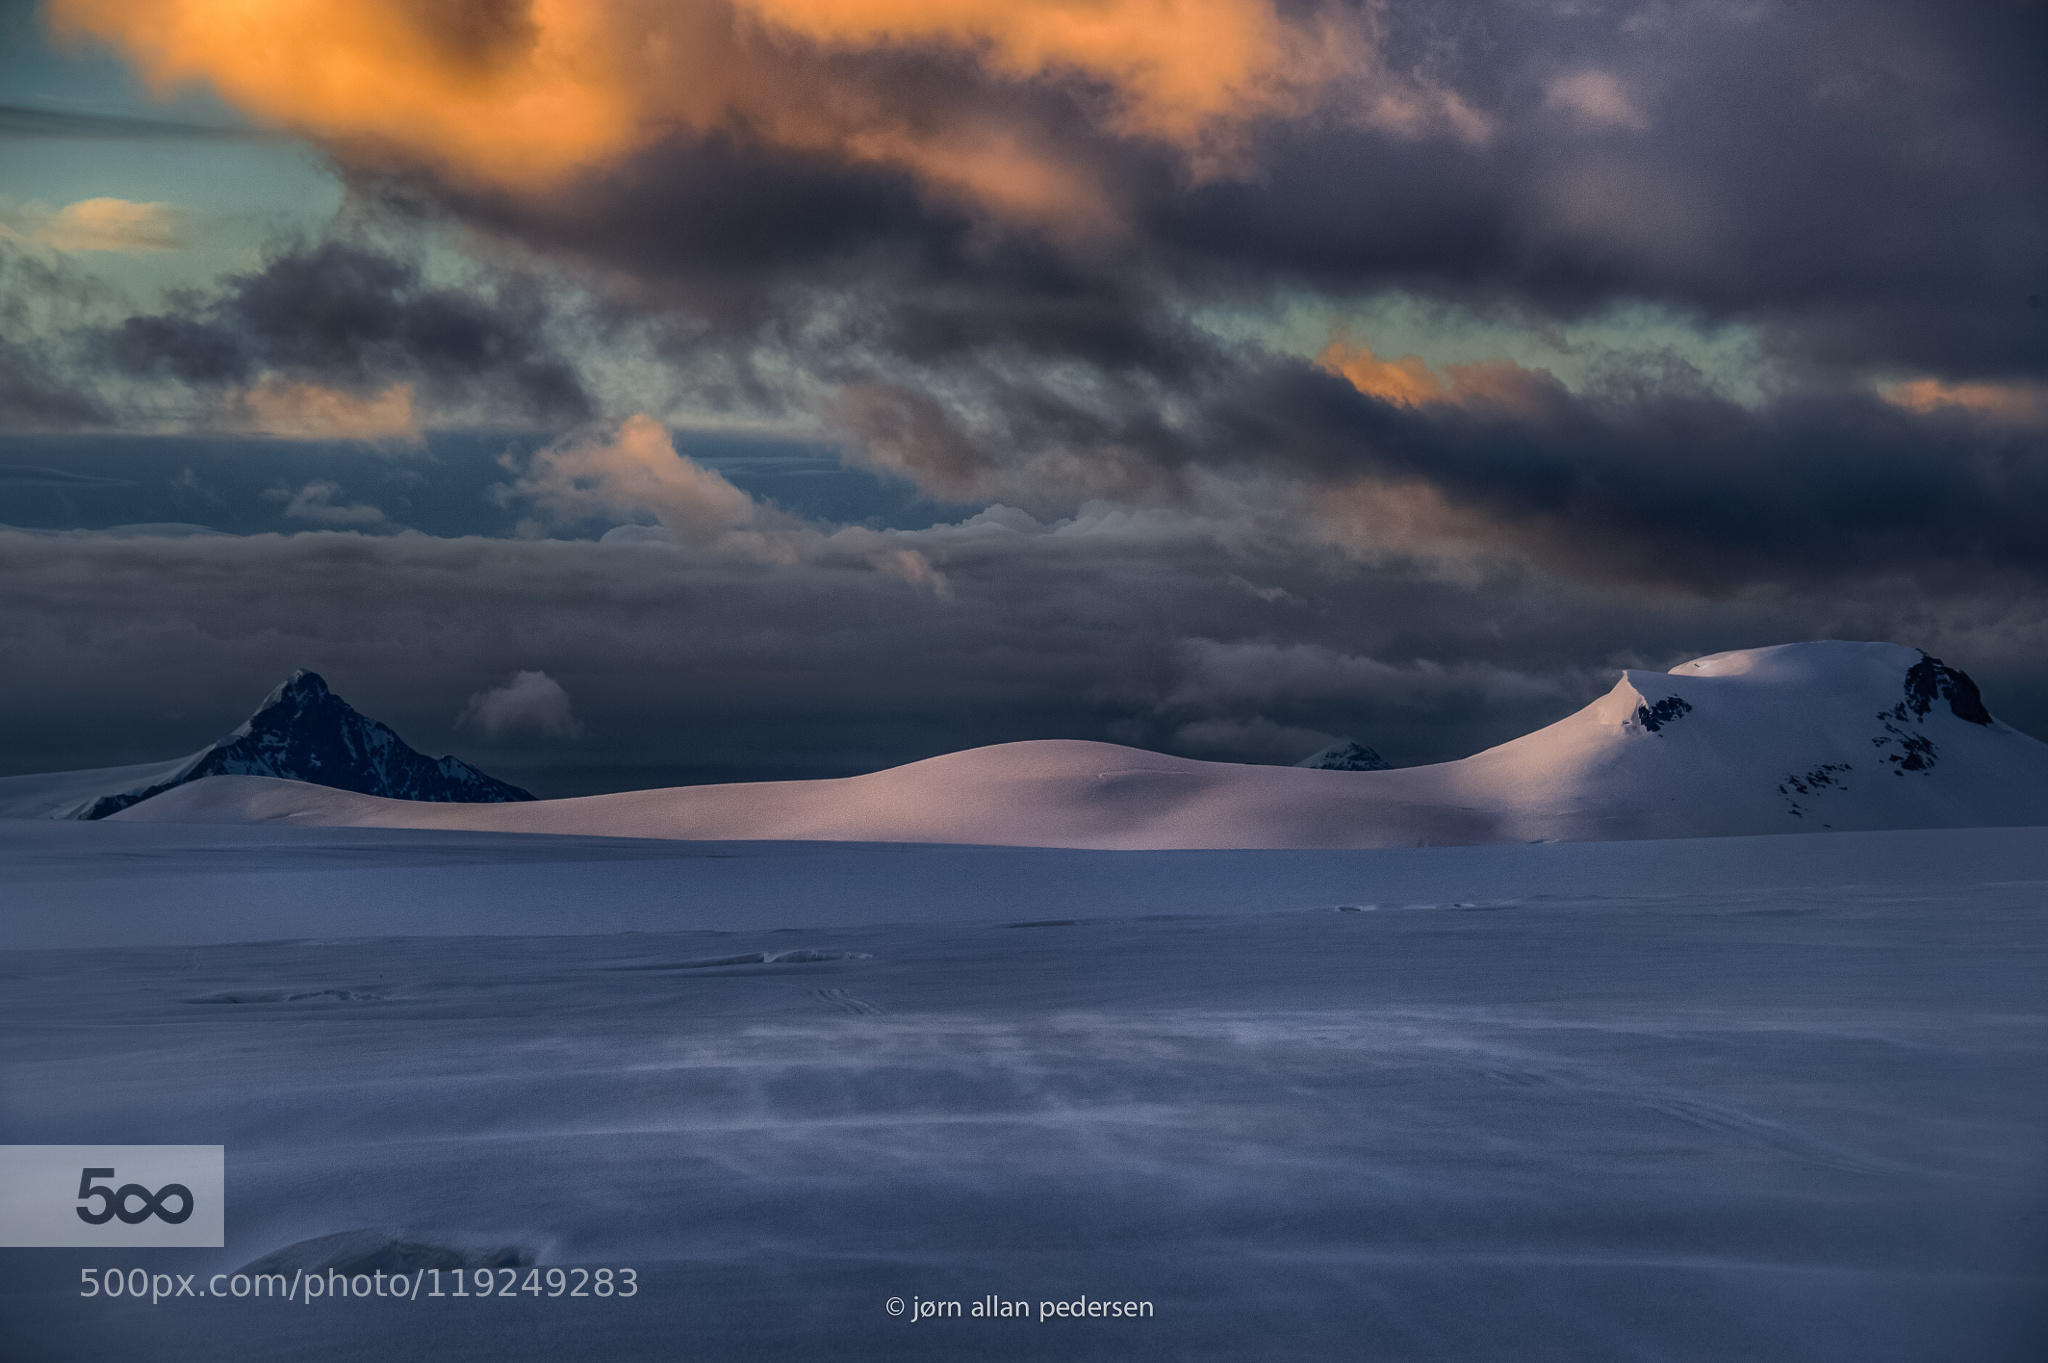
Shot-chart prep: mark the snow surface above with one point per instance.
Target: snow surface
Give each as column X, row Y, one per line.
column 1772, row 1098
column 1760, row 1097
column 1804, row 736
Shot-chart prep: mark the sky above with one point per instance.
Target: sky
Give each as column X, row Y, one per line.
column 622, row 393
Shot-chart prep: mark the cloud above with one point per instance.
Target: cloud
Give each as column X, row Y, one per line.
column 20, row 475
column 34, row 395
column 1256, row 673
column 2021, row 405
column 1669, row 489
column 339, row 338
column 1178, row 68
column 1599, row 99
column 307, row 411
column 782, row 171
column 321, row 504
column 43, row 386
column 1668, row 486
column 914, row 567
column 984, row 364
column 812, row 257
column 695, row 665
column 1248, row 740
column 534, row 95
column 29, row 120
column 528, row 705
column 843, row 226
column 1410, row 382
column 105, row 225
column 634, row 473
column 635, row 470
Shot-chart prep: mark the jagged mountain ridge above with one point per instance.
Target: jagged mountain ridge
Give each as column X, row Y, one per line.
column 304, row 732
column 1796, row 738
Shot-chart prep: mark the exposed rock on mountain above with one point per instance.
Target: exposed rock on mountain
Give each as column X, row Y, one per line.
column 304, row 732
column 1350, row 755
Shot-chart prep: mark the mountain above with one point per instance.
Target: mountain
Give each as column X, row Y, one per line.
column 1800, row 737
column 302, row 732
column 1349, row 755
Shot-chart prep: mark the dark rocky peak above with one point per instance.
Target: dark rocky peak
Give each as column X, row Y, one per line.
column 1930, row 680
column 1350, row 755
column 302, row 731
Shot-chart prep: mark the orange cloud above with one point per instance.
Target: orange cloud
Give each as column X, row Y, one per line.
column 637, row 468
column 2005, row 404
column 377, row 70
column 1410, row 382
column 101, row 225
column 529, row 94
column 1176, row 65
column 309, row 411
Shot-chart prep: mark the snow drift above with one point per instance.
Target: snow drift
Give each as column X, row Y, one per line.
column 1800, row 737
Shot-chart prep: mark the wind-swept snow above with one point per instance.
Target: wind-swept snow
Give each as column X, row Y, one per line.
column 1773, row 1099
column 1801, row 737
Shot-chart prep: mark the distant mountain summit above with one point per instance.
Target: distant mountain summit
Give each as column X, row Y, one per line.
column 1350, row 755
column 304, row 732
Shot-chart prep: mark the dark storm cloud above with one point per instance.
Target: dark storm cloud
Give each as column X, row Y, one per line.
column 748, row 244
column 690, row 666
column 1859, row 186
column 1867, row 179
column 35, row 395
column 41, row 385
column 1682, row 488
column 1866, row 182
column 348, row 316
column 1664, row 485
column 1862, row 184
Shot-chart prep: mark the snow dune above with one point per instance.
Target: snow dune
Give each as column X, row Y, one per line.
column 1797, row 738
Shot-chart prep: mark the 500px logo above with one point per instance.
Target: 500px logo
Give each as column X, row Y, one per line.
column 115, row 1196
column 114, row 1201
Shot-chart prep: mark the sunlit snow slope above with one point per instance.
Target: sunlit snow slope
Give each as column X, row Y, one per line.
column 1799, row 737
